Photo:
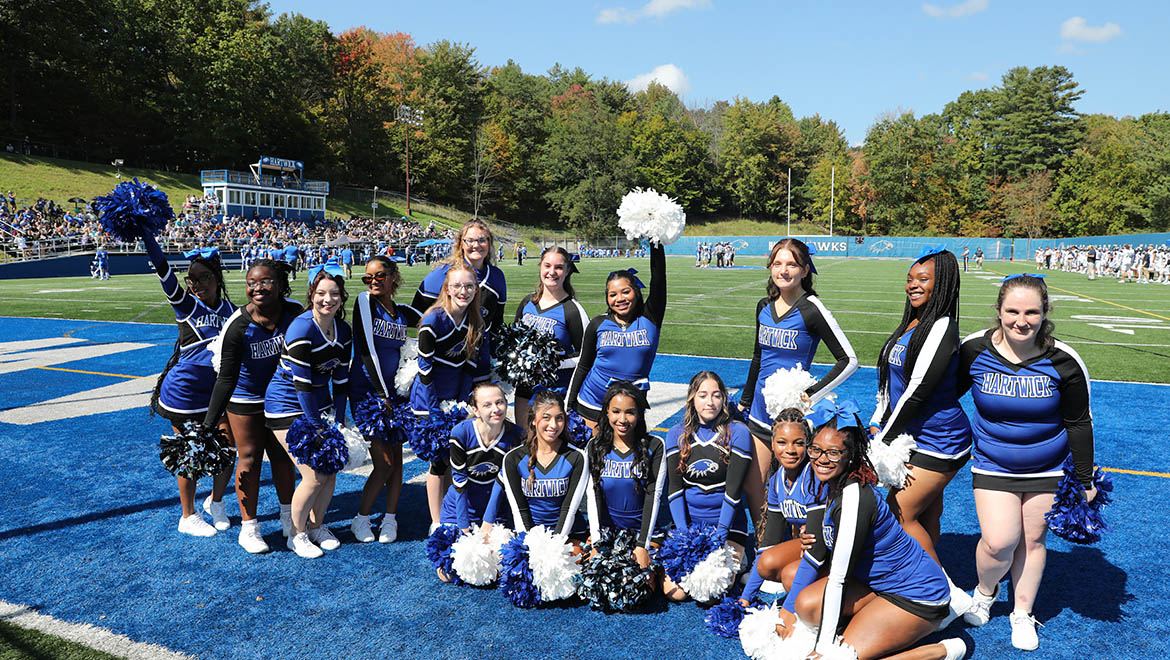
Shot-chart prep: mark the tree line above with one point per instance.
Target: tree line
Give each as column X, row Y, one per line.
column 215, row 83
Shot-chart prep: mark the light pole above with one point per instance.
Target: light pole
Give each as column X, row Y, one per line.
column 374, row 204
column 410, row 117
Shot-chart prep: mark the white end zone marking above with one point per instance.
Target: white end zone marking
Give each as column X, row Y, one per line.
column 19, row 362
column 86, row 634
column 134, row 393
column 34, row 344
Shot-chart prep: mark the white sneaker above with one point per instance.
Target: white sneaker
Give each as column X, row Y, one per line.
column 218, row 513
column 389, row 531
column 1024, row 635
column 773, row 587
column 960, row 600
column 286, row 526
column 251, row 540
column 980, row 611
column 303, row 546
column 195, row 525
column 956, row 648
column 360, row 526
column 324, row 538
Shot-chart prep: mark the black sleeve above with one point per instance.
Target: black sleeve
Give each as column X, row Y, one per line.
column 1074, row 408
column 422, row 302
column 654, row 486
column 230, row 357
column 575, row 490
column 520, row 308
column 410, row 314
column 361, row 346
column 969, row 350
column 575, row 320
column 929, row 369
column 585, row 362
column 820, row 322
column 774, row 528
column 749, row 389
column 510, row 479
column 656, row 301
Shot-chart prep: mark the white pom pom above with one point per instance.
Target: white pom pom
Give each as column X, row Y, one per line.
column 889, row 461
column 757, row 633
column 447, row 405
column 407, row 367
column 651, row 215
column 553, row 564
column 475, row 561
column 507, row 388
column 712, row 576
column 359, row 449
column 785, row 389
column 498, row 536
column 215, row 346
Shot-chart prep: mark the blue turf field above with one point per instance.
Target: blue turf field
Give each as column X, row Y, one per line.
column 88, row 535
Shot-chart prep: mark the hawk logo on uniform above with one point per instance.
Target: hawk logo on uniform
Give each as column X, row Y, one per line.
column 484, row 469
column 327, row 366
column 702, row 467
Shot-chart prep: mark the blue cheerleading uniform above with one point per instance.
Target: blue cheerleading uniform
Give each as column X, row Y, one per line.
column 551, row 497
column 493, row 294
column 309, row 363
column 709, row 487
column 611, row 351
column 186, row 388
column 787, row 509
column 445, row 370
column 859, row 538
column 245, row 355
column 783, row 342
column 475, row 467
column 378, row 336
column 564, row 320
column 1028, row 417
column 619, row 496
column 925, row 402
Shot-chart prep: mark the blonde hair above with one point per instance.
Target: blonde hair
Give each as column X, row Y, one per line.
column 457, row 255
column 472, row 316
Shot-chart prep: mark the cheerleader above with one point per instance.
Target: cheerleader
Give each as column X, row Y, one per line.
column 1031, row 395
column 861, row 564
column 627, row 469
column 379, row 332
column 708, row 457
column 245, row 355
column 791, row 491
column 184, row 387
column 451, row 351
column 620, row 344
column 917, row 394
column 316, row 353
column 790, row 323
column 553, row 308
column 544, row 478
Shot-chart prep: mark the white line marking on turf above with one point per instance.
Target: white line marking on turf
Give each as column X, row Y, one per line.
column 48, row 358
column 86, row 634
column 34, row 344
column 128, row 394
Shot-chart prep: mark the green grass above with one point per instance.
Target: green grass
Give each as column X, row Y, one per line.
column 18, row 643
column 710, row 311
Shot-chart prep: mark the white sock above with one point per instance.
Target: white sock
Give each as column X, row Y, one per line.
column 362, row 518
column 286, row 509
column 249, row 523
column 390, row 517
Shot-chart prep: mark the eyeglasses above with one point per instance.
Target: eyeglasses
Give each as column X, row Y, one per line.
column 461, row 287
column 200, row 279
column 475, row 241
column 379, row 276
column 834, row 455
column 266, row 283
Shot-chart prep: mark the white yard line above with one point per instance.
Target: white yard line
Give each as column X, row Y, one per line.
column 86, row 634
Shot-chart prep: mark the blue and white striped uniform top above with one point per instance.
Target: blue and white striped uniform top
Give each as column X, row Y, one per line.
column 788, row 503
column 378, row 336
column 493, row 293
column 860, row 539
column 246, row 355
column 475, row 467
column 709, row 488
column 782, row 342
column 1028, row 416
column 445, row 370
column 309, row 363
column 925, row 403
column 565, row 320
column 628, row 499
column 551, row 497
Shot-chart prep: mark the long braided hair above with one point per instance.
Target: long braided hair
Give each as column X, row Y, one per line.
column 944, row 301
column 602, row 444
column 542, row 400
column 857, row 465
column 786, row 416
column 691, row 421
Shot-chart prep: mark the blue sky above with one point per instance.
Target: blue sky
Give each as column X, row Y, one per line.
column 848, row 61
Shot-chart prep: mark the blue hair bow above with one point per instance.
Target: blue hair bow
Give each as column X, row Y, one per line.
column 634, row 276
column 331, row 267
column 1013, row 276
column 845, row 412
column 928, row 251
column 206, row 253
column 812, row 249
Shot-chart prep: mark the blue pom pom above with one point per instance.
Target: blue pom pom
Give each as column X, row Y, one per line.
column 685, row 548
column 1071, row 517
column 516, row 573
column 133, row 210
column 724, row 618
column 321, row 447
column 370, row 417
column 429, row 434
column 611, row 579
column 526, row 356
column 439, row 551
column 579, row 433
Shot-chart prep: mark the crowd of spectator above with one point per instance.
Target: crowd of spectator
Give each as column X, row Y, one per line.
column 1144, row 264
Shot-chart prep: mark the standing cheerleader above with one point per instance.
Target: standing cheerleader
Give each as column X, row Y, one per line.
column 553, row 309
column 708, row 457
column 451, row 350
column 316, row 353
column 379, row 332
column 790, row 323
column 1031, row 395
column 545, row 478
column 627, row 470
column 620, row 344
column 245, row 354
column 791, row 492
column 877, row 574
column 917, row 394
column 184, row 388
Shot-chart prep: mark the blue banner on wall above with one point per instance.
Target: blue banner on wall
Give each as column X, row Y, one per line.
column 892, row 247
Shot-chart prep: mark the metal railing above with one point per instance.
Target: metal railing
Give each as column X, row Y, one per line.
column 266, row 180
